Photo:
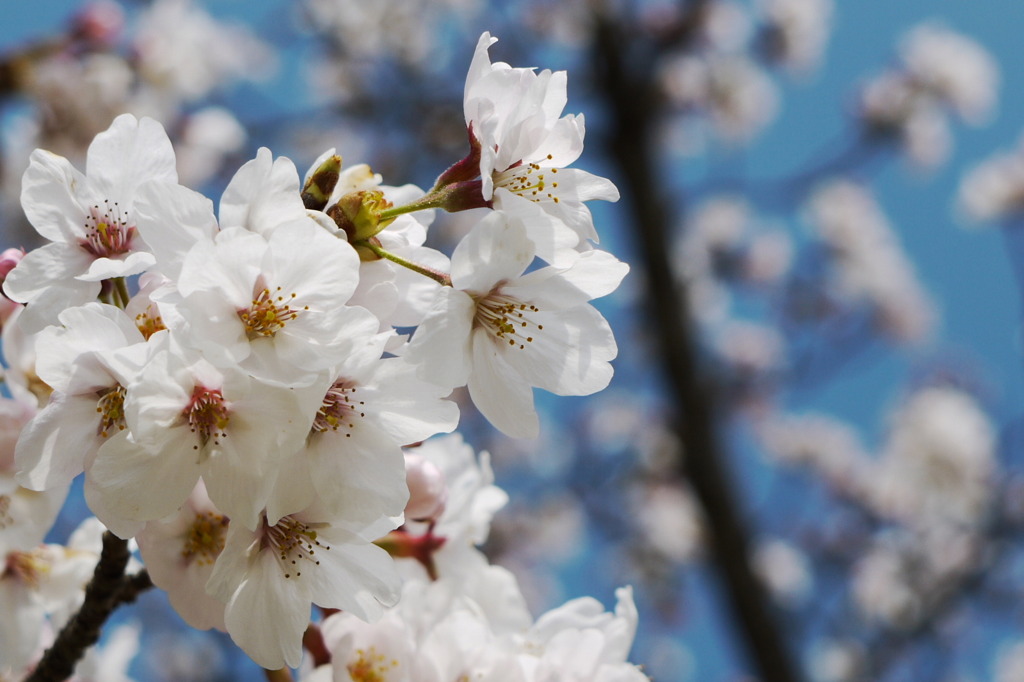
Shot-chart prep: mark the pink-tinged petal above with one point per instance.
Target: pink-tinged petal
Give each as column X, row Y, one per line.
column 440, row 346
column 593, row 275
column 50, row 196
column 263, row 194
column 58, row 443
column 128, row 153
column 171, row 219
column 136, row 485
column 496, row 249
column 501, row 395
column 268, row 614
column 570, row 355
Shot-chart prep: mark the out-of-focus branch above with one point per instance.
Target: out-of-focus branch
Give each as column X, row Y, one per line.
column 107, row 589
column 625, row 83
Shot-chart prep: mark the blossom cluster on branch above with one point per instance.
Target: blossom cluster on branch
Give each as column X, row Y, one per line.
column 244, row 396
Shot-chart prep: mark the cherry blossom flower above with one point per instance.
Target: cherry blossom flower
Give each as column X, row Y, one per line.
column 525, row 145
column 87, row 406
column 274, row 305
column 180, row 550
column 41, row 587
column 939, row 461
column 89, row 219
column 501, row 332
column 478, row 628
column 269, row 577
column 351, row 459
column 187, row 419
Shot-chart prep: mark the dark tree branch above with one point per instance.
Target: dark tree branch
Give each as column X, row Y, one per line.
column 633, row 103
column 102, row 595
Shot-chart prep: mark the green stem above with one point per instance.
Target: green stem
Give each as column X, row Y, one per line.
column 121, row 288
column 439, row 277
column 427, row 201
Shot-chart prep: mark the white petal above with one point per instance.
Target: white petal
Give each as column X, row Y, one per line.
column 171, row 219
column 132, row 263
column 137, row 485
column 354, row 575
column 440, row 346
column 129, row 152
column 570, row 355
column 593, row 275
column 51, row 266
column 499, row 392
column 495, row 249
column 263, row 194
column 54, row 447
column 268, row 614
column 50, row 191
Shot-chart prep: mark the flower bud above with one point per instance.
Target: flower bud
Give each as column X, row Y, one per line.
column 428, row 493
column 8, row 259
column 99, row 23
column 318, row 188
column 358, row 213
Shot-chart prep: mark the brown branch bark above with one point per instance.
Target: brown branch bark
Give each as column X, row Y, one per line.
column 625, row 82
column 107, row 589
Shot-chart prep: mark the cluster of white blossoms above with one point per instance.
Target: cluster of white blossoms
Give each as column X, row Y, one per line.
column 994, row 189
column 870, row 266
column 941, row 72
column 243, row 413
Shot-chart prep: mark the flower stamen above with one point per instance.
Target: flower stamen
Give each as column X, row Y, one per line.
column 529, row 181
column 269, row 313
column 207, row 415
column 107, row 232
column 149, row 322
column 110, row 407
column 293, row 541
column 205, row 538
column 339, row 408
column 507, row 319
column 370, row 666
